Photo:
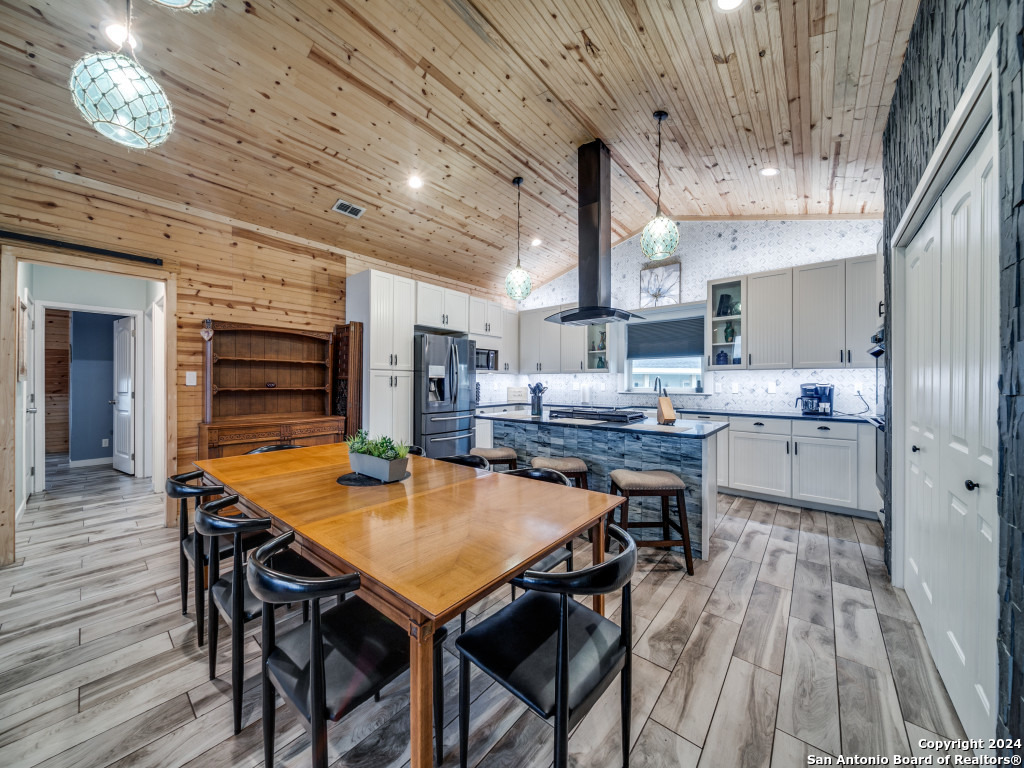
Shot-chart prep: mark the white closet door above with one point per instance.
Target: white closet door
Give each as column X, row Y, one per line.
column 969, row 349
column 819, row 315
column 124, row 395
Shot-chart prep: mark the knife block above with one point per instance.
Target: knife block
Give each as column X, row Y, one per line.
column 666, row 413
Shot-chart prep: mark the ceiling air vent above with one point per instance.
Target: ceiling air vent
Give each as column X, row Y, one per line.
column 349, row 209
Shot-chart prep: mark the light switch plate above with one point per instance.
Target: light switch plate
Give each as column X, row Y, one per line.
column 735, row 389
column 190, row 378
column 105, row 443
column 771, row 388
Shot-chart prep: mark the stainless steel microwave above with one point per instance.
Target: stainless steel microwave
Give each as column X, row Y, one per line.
column 486, row 359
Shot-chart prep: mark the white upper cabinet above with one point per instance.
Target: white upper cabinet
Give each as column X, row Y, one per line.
column 384, row 304
column 769, row 319
column 508, row 347
column 540, row 342
column 484, row 317
column 442, row 308
column 819, row 315
column 862, row 317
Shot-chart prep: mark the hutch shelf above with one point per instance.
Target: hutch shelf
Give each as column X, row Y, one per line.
column 266, row 385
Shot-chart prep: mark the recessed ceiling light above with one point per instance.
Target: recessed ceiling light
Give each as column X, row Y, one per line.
column 536, row 242
column 118, row 34
column 769, row 171
column 415, row 182
column 728, row 5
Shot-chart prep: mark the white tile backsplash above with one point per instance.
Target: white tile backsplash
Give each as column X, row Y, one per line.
column 709, row 250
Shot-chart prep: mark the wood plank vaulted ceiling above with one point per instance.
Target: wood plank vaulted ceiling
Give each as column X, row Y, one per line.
column 283, row 107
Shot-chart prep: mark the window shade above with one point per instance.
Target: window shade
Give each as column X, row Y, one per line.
column 669, row 338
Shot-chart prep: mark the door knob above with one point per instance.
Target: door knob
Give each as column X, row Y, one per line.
column 31, row 410
column 112, row 402
column 914, row 448
column 970, row 485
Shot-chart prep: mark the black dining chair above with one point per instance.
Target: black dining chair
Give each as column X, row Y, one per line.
column 272, row 448
column 230, row 594
column 559, row 556
column 467, row 460
column 415, row 450
column 180, row 487
column 330, row 665
column 554, row 654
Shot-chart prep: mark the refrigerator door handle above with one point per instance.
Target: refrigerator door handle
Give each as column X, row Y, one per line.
column 453, row 437
column 450, row 418
column 455, row 384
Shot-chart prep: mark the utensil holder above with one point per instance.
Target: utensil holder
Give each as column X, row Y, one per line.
column 536, row 405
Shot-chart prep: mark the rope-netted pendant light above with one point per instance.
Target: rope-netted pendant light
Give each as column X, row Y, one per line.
column 661, row 235
column 119, row 98
column 518, row 284
column 195, row 6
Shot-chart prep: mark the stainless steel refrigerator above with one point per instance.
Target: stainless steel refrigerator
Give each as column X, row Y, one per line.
column 444, row 389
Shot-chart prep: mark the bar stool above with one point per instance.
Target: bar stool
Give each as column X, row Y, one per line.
column 467, row 460
column 573, row 468
column 501, row 456
column 654, row 482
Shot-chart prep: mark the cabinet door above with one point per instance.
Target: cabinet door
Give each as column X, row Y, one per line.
column 494, row 319
column 429, row 305
column 401, row 407
column 819, row 315
column 381, row 330
column 509, row 356
column 759, row 462
column 380, row 420
column 477, row 315
column 572, row 352
column 862, row 318
column 549, row 342
column 825, row 470
column 769, row 320
column 456, row 310
column 529, row 340
column 403, row 301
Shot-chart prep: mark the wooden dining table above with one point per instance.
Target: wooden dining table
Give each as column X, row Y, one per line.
column 426, row 548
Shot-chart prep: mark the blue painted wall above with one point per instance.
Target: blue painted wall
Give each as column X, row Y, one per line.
column 92, row 384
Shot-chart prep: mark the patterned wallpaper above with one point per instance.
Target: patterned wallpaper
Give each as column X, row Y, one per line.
column 713, row 249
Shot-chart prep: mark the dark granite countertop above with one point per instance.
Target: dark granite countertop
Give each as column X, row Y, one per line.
column 693, row 414
column 688, row 428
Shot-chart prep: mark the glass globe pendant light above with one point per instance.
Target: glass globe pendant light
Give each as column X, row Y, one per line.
column 120, row 99
column 518, row 284
column 195, row 6
column 661, row 235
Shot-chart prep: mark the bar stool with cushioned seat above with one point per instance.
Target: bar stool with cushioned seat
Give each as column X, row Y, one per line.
column 655, row 482
column 501, row 456
column 467, row 460
column 573, row 468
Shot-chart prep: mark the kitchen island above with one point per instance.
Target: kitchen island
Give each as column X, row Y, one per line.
column 689, row 449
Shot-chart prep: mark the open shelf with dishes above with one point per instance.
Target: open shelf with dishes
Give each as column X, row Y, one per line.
column 724, row 328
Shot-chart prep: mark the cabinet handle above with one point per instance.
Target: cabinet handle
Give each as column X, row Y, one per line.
column 825, row 429
column 881, row 311
column 758, row 423
column 750, row 359
column 849, row 356
column 787, row 447
column 796, row 447
column 709, row 360
column 396, row 358
column 841, row 356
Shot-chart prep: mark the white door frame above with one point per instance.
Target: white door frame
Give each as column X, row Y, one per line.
column 976, row 111
column 40, row 362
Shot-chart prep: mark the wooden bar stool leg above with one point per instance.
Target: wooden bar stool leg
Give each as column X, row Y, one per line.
column 681, row 503
column 664, row 518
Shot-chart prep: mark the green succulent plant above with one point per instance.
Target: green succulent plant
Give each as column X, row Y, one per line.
column 382, row 447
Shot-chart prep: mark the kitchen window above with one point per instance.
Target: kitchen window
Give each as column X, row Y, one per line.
column 669, row 350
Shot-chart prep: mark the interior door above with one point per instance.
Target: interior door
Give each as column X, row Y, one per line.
column 969, row 350
column 27, row 308
column 124, row 395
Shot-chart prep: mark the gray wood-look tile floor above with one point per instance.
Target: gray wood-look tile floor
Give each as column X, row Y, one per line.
column 788, row 641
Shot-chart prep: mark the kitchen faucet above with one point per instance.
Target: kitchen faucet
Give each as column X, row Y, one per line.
column 657, row 385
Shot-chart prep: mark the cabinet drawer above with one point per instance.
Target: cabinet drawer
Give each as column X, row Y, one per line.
column 836, row 431
column 762, row 426
column 703, row 417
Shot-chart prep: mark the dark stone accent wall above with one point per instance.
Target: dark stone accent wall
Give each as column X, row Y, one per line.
column 946, row 43
column 605, row 450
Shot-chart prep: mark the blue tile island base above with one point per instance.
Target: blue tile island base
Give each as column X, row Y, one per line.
column 603, row 450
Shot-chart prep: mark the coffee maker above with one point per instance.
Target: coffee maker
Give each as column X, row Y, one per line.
column 816, row 399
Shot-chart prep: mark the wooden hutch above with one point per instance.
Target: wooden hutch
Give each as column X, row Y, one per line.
column 265, row 385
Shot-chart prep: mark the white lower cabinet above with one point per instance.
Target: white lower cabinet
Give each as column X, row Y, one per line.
column 723, row 449
column 390, row 405
column 825, row 470
column 759, row 462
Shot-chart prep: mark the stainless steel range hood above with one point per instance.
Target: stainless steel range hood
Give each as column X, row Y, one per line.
column 595, row 248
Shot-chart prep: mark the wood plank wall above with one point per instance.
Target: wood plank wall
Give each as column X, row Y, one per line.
column 57, row 349
column 225, row 270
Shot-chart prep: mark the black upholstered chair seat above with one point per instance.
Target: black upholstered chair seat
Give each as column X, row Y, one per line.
column 252, row 607
column 363, row 652
column 524, row 660
column 188, row 545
